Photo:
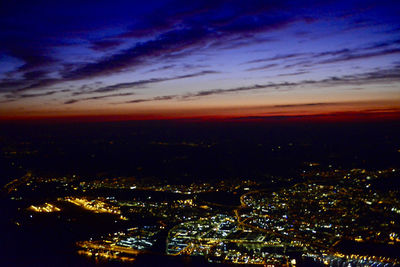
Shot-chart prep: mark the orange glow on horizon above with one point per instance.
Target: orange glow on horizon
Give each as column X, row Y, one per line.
column 322, row 111
column 393, row 115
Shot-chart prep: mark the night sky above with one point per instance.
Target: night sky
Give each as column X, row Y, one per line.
column 180, row 59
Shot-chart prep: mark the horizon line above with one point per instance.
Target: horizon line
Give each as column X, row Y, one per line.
column 348, row 116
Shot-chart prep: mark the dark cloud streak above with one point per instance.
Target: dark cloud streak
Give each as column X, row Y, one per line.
column 72, row 101
column 386, row 75
column 264, row 67
column 308, row 105
column 376, row 49
column 140, row 83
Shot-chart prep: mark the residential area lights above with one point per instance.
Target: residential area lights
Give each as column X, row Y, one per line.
column 307, row 219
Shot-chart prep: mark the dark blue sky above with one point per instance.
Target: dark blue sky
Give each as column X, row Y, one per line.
column 202, row 58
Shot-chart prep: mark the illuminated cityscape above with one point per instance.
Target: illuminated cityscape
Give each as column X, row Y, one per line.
column 313, row 218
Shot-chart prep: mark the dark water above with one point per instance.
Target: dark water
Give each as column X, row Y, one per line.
column 352, row 247
column 220, row 198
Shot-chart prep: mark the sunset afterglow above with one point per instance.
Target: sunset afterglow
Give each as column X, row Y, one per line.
column 199, row 59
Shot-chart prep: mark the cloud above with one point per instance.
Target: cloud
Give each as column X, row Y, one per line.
column 33, row 55
column 308, row 105
column 41, row 94
column 238, row 42
column 390, row 75
column 126, row 36
column 355, row 56
column 165, row 67
column 237, row 89
column 380, row 76
column 292, row 74
column 206, row 93
column 42, row 83
column 264, row 67
column 28, row 42
column 105, row 44
column 312, row 59
column 7, row 101
column 192, row 32
column 16, row 96
column 277, row 57
column 36, row 74
column 140, row 83
column 172, row 41
column 344, row 115
column 72, row 101
column 158, row 98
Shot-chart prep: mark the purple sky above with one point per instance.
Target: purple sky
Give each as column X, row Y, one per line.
column 204, row 58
